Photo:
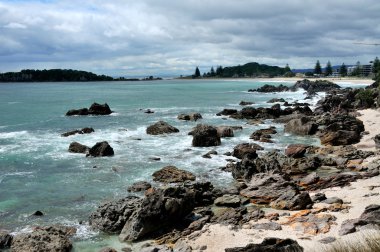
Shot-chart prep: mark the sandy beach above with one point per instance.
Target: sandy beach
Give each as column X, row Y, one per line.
column 357, row 196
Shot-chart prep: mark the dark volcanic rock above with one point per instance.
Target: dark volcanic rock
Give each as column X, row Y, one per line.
column 205, row 136
column 316, row 86
column 227, row 112
column 51, row 238
column 5, row 239
column 228, row 201
column 245, row 103
column 270, row 245
column 274, row 100
column 161, row 127
column 370, row 217
column 263, row 134
column 82, row 111
column 139, row 186
column 101, row 149
column 160, row 208
column 110, row 217
column 225, row 131
column 95, row 109
column 244, row 149
column 171, row 174
column 76, row 147
column 301, row 126
column 82, row 131
column 293, row 200
column 270, row 89
column 190, row 117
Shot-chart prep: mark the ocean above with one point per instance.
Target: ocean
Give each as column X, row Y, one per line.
column 38, row 173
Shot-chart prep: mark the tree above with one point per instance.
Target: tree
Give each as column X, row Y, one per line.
column 317, row 68
column 212, row 72
column 329, row 69
column 343, row 70
column 288, row 72
column 197, row 73
column 219, row 71
column 357, row 70
column 287, row 68
column 376, row 66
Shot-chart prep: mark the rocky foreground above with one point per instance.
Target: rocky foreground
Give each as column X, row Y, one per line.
column 287, row 200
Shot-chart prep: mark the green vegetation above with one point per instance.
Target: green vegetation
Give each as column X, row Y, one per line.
column 365, row 97
column 53, row 75
column 329, row 69
column 317, row 68
column 343, row 70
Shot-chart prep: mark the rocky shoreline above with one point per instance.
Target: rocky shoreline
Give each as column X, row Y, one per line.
column 273, row 191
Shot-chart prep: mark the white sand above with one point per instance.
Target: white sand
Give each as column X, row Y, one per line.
column 218, row 237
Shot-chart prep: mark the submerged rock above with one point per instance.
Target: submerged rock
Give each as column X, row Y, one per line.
column 171, row 174
column 190, row 117
column 161, row 127
column 81, row 131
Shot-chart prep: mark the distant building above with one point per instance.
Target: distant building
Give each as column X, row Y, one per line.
column 366, row 70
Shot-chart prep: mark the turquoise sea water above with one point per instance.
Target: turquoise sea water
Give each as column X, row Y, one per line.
column 38, row 173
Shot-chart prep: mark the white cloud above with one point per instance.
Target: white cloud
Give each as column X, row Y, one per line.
column 164, row 36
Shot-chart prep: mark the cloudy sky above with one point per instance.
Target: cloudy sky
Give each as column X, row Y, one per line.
column 171, row 37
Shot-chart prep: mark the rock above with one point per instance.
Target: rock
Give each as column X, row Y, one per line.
column 82, row 131
column 171, row 174
column 327, row 240
column 189, row 117
column 205, row 136
column 228, row 201
column 318, row 197
column 73, row 112
column 267, row 226
column 161, row 127
column 244, row 149
column 311, row 223
column 333, row 200
column 292, row 200
column 76, row 147
column 228, row 215
column 225, row 131
column 295, row 150
column 270, row 245
column 245, row 103
column 270, row 89
column 160, row 208
column 5, row 239
column 181, row 246
column 139, row 186
column 156, row 248
column 266, row 187
column 262, row 134
column 340, row 137
column 337, row 180
column 370, row 217
column 316, row 86
column 99, row 109
column 227, row 112
column 310, row 179
column 38, row 213
column 148, row 111
column 208, row 154
column 101, row 149
column 111, row 217
column 52, row 238
column 377, row 141
column 301, row 126
column 274, row 100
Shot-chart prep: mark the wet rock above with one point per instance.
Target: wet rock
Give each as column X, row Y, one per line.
column 160, row 208
column 205, row 136
column 76, row 147
column 225, row 131
column 245, row 103
column 139, row 186
column 99, row 109
column 148, row 111
column 311, row 223
column 111, row 217
column 267, row 226
column 189, row 117
column 263, row 134
column 295, row 150
column 270, row 89
column 228, row 201
column 5, row 239
column 52, row 238
column 270, row 245
column 315, row 86
column 156, row 248
column 227, row 112
column 171, row 174
column 81, row 131
column 208, row 154
column 73, row 112
column 38, row 213
column 301, row 126
column 274, row 100
column 161, row 127
column 244, row 149
column 101, row 149
column 107, row 249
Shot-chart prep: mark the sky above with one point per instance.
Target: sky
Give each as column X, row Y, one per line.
column 172, row 37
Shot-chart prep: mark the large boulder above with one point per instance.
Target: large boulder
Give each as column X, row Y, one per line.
column 227, row 112
column 5, row 239
column 270, row 89
column 293, row 200
column 270, row 245
column 171, row 174
column 101, row 149
column 159, row 209
column 205, row 136
column 111, row 217
column 76, row 147
column 74, row 112
column 263, row 134
column 161, row 127
column 95, row 109
column 315, row 86
column 295, row 150
column 52, row 238
column 301, row 126
column 244, row 149
column 370, row 218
